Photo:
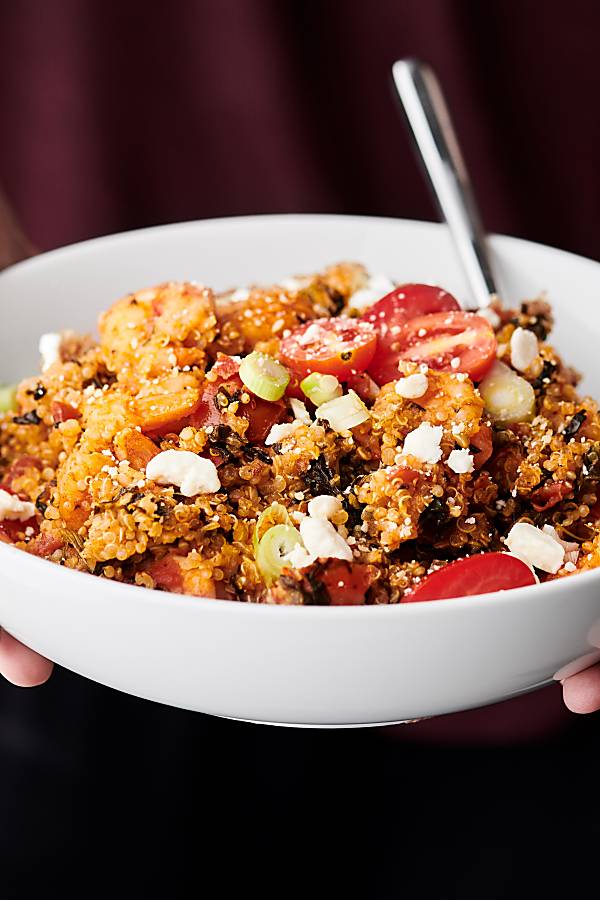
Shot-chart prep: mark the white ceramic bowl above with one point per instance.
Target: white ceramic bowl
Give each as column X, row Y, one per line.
column 315, row 665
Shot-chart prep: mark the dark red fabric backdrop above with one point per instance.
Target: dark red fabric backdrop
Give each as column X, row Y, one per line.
column 120, row 114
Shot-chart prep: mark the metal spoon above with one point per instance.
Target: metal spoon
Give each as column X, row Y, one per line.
column 435, row 139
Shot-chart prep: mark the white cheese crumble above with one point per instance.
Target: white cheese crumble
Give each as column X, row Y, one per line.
column 535, row 547
column 14, row 508
column 377, row 287
column 301, row 414
column 324, row 506
column 191, row 473
column 322, row 540
column 424, row 443
column 49, row 347
column 461, row 462
column 280, row 432
column 240, row 295
column 486, row 312
column 523, row 349
column 299, row 557
column 412, row 386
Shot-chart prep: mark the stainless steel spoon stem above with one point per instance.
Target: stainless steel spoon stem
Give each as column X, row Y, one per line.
column 435, row 138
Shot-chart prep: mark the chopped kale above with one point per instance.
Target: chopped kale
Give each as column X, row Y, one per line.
column 544, row 376
column 29, row 418
column 319, row 476
column 574, row 425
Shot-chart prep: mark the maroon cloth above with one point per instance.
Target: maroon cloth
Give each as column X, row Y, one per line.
column 118, row 115
column 115, row 116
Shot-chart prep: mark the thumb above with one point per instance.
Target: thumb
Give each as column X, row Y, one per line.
column 20, row 665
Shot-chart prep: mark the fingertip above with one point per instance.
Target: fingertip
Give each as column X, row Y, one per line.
column 20, row 665
column 581, row 692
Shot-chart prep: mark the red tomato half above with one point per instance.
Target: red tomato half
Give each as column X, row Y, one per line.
column 480, row 574
column 340, row 347
column 449, row 342
column 406, row 302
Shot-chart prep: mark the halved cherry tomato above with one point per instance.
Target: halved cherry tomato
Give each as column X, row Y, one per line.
column 480, row 574
column 17, row 469
column 405, row 302
column 548, row 495
column 340, row 347
column 449, row 342
column 346, row 584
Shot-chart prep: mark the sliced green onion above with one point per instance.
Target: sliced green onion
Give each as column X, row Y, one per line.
column 274, row 545
column 275, row 514
column 344, row 413
column 321, row 388
column 264, row 376
column 8, row 398
column 508, row 397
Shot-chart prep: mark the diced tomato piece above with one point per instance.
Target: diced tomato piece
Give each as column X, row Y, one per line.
column 46, row 544
column 166, row 573
column 405, row 302
column 548, row 495
column 62, row 412
column 403, row 474
column 13, row 530
column 364, row 386
column 340, row 347
column 481, row 574
column 482, row 442
column 17, row 469
column 346, row 583
column 293, row 389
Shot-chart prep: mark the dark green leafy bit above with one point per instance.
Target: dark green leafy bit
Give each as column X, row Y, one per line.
column 28, row 418
column 545, row 376
column 574, row 425
column 318, row 477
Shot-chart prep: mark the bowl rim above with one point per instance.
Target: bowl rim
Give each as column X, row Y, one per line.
column 472, row 601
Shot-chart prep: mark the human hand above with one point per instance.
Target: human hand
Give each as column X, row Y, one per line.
column 581, row 692
column 20, row 665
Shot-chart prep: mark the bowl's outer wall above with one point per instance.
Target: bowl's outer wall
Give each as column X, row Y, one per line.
column 306, row 666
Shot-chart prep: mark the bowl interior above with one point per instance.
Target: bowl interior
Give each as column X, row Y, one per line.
column 67, row 288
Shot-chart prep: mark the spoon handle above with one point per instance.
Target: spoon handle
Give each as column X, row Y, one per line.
column 435, row 139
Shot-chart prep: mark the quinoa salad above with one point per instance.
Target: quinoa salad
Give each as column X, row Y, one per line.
column 336, row 439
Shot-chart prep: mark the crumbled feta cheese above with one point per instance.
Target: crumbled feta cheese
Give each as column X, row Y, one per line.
column 523, row 348
column 570, row 567
column 322, row 540
column 49, row 348
column 291, row 284
column 412, row 386
column 455, row 362
column 324, row 506
column 191, row 473
column 377, row 287
column 535, row 547
column 280, row 432
column 460, row 461
column 300, row 411
column 299, row 557
column 486, row 312
column 424, row 443
column 240, row 295
column 15, row 509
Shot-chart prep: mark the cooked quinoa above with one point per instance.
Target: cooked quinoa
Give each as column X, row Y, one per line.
column 164, row 376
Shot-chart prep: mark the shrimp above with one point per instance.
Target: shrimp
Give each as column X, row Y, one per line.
column 148, row 333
